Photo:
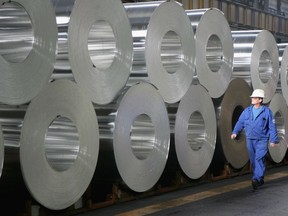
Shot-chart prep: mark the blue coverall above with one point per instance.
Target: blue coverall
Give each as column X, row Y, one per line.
column 258, row 133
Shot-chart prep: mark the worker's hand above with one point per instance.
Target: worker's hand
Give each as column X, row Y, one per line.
column 273, row 145
column 233, row 136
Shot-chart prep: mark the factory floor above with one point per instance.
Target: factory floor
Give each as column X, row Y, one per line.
column 231, row 197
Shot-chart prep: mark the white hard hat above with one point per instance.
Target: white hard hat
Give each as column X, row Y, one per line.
column 259, row 93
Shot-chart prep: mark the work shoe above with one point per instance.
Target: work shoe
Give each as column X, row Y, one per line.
column 255, row 184
column 260, row 182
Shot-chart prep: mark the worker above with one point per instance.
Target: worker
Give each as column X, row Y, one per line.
column 260, row 129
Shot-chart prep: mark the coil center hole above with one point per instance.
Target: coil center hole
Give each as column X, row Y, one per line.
column 171, row 52
column 196, row 134
column 61, row 143
column 265, row 67
column 16, row 33
column 142, row 136
column 214, row 53
column 101, row 45
column 235, row 116
column 280, row 125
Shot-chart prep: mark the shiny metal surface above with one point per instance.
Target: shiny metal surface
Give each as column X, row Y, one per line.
column 170, row 51
column 228, row 111
column 141, row 139
column 11, row 128
column 11, row 120
column 195, row 131
column 101, row 56
column 28, row 33
column 256, row 60
column 142, row 131
column 279, row 108
column 283, row 81
column 169, row 54
column 214, row 55
column 106, row 120
column 16, row 33
column 62, row 68
column 195, row 16
column 243, row 46
column 102, row 45
column 281, row 49
column 139, row 15
column 63, row 135
column 142, row 136
column 62, row 144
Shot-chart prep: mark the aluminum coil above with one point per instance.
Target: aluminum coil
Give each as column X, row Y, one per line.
column 195, row 131
column 59, row 145
column 283, row 58
column 234, row 101
column 139, row 14
column 214, row 49
column 28, row 47
column 279, row 108
column 170, row 51
column 101, row 56
column 256, row 60
column 141, row 137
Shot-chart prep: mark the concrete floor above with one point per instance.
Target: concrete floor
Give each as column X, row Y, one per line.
column 231, row 197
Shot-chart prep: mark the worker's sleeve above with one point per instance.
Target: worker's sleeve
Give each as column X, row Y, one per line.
column 272, row 128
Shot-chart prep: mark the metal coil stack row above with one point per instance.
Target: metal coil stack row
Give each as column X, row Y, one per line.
column 59, row 145
column 214, row 49
column 96, row 90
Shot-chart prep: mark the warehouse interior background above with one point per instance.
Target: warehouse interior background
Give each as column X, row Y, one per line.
column 132, row 106
column 243, row 14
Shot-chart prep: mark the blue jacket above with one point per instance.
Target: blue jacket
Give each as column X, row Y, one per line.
column 263, row 127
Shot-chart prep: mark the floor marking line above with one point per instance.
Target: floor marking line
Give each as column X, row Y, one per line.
column 198, row 196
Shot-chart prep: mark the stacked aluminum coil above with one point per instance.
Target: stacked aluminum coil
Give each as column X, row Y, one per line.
column 141, row 137
column 59, row 145
column 195, row 131
column 279, row 108
column 101, row 56
column 28, row 46
column 214, row 49
column 283, row 59
column 256, row 60
column 164, row 51
column 228, row 111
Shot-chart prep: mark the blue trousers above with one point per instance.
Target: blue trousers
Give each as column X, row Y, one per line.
column 257, row 150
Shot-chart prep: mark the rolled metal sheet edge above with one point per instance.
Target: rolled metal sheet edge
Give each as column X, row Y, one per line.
column 59, row 145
